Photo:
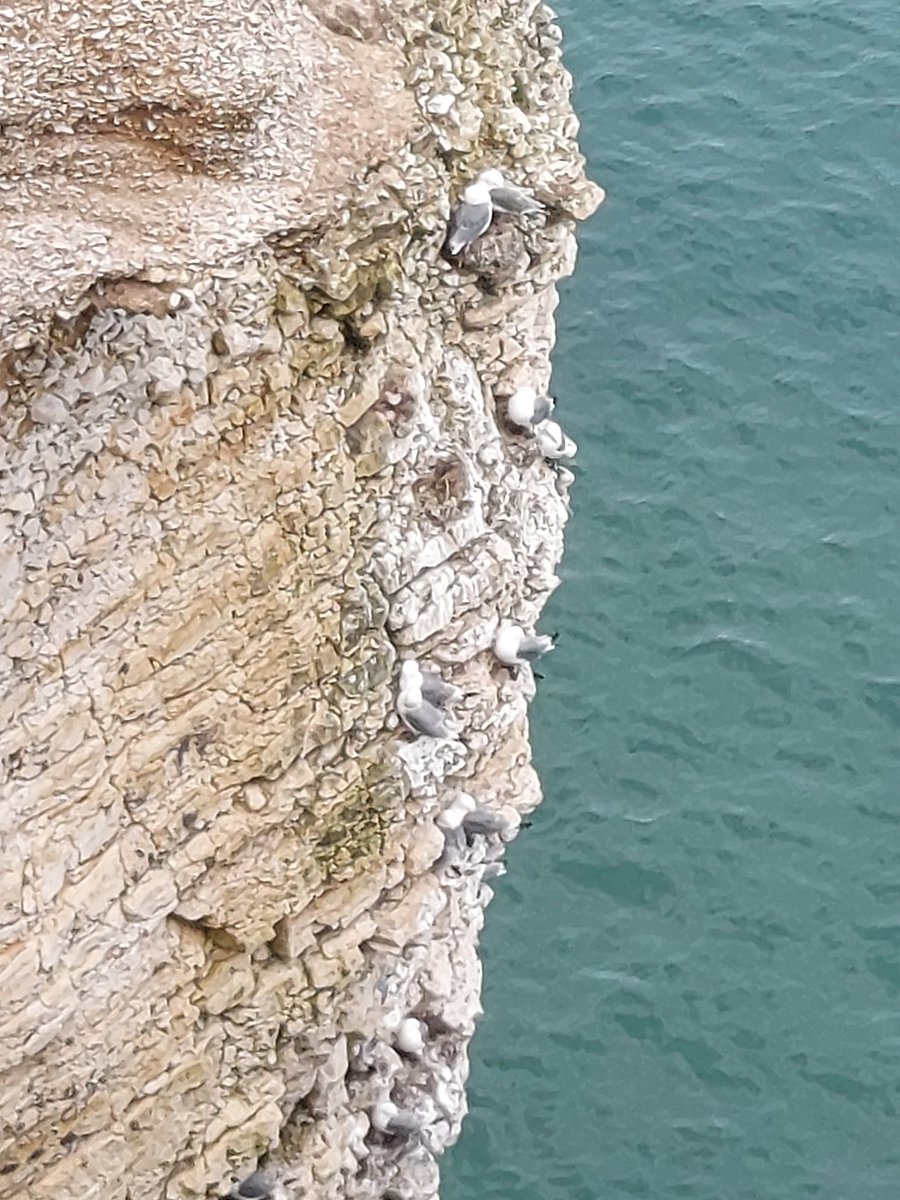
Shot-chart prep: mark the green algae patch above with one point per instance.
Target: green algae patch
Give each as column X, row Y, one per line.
column 354, row 834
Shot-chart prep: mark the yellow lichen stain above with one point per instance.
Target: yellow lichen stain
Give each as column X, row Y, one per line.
column 353, row 834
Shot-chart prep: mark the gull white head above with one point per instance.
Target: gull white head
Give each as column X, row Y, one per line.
column 457, row 811
column 410, row 1037
column 476, row 194
column 520, row 406
column 492, row 176
column 507, row 643
column 411, row 680
column 383, row 1114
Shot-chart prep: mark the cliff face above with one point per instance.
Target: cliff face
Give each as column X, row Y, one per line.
column 252, row 454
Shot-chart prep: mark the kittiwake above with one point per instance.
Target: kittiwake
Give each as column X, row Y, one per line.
column 514, row 647
column 418, row 714
column 552, row 442
column 507, row 197
column 470, row 219
column 526, row 408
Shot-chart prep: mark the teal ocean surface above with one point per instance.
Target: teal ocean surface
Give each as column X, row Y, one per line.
column 693, row 967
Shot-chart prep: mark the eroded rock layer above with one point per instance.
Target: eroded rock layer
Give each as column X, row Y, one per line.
column 254, row 453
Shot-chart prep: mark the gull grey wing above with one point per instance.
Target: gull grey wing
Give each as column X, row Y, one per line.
column 426, row 720
column 533, row 648
column 467, row 223
column 514, row 200
column 454, row 851
column 437, row 692
column 483, row 822
column 543, row 407
column 254, row 1187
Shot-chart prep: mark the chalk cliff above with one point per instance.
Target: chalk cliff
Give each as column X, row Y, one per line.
column 252, row 451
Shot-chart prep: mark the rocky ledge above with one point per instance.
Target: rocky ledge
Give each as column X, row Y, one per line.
column 254, row 452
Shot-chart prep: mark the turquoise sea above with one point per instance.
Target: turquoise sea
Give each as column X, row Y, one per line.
column 693, row 967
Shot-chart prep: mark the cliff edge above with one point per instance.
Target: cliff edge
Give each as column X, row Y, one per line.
column 252, row 453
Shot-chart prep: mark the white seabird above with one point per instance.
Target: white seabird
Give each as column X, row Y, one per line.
column 397, row 1122
column 419, row 715
column 507, row 197
column 514, row 647
column 552, row 442
column 526, row 408
column 470, row 219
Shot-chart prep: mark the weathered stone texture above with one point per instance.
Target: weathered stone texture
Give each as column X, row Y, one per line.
column 251, row 451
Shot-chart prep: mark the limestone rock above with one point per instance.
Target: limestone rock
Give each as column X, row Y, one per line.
column 251, row 457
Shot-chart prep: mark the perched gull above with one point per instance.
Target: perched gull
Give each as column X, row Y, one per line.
column 470, row 218
column 526, row 408
column 419, row 715
column 506, row 197
column 396, row 1122
column 514, row 647
column 552, row 442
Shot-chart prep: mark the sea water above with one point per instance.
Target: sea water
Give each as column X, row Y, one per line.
column 692, row 969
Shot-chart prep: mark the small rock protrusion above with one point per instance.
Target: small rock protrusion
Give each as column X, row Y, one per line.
column 410, row 1037
column 231, row 341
